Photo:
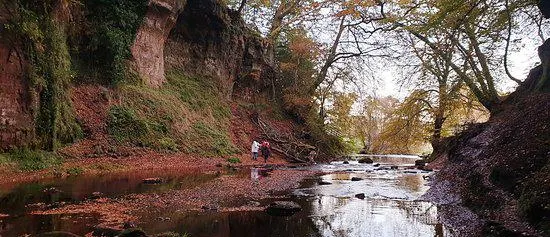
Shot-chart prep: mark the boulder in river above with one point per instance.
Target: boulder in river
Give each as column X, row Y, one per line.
column 420, row 163
column 324, row 183
column 360, row 196
column 376, row 165
column 152, row 181
column 356, row 179
column 394, row 167
column 283, row 208
column 346, row 162
column 366, row 160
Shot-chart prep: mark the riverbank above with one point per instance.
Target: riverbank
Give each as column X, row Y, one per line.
column 498, row 172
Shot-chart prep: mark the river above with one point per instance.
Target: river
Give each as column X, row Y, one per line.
column 383, row 202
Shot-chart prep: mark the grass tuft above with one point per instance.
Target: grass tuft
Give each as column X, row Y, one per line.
column 32, row 160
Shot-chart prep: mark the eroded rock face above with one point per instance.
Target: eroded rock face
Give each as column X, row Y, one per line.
column 16, row 126
column 148, row 48
column 212, row 42
column 201, row 38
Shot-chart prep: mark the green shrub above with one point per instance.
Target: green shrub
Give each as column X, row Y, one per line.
column 234, row 160
column 125, row 125
column 112, row 27
column 213, row 141
column 75, row 171
column 31, row 160
column 5, row 159
column 167, row 144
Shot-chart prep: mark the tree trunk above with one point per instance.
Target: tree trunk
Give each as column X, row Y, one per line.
column 330, row 58
column 241, row 7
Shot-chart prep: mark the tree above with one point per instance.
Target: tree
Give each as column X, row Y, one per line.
column 478, row 31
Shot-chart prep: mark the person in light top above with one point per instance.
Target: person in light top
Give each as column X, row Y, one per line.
column 254, row 149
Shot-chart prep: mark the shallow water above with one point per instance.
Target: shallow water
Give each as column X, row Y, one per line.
column 390, row 206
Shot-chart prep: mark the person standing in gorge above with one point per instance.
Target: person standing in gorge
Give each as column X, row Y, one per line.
column 266, row 150
column 254, row 149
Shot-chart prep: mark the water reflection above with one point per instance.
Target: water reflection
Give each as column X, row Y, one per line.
column 389, row 209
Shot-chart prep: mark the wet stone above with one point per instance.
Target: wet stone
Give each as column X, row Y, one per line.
column 345, row 162
column 283, row 208
column 52, row 190
column 356, row 179
column 324, row 183
column 376, row 165
column 161, row 218
column 419, row 162
column 394, row 167
column 107, row 231
column 210, row 208
column 96, row 195
column 360, row 196
column 152, row 181
column 366, row 161
column 129, row 225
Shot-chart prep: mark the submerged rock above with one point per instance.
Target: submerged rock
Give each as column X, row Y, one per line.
column 283, row 208
column 366, row 161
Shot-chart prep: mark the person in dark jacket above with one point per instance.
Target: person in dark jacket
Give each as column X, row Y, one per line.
column 266, row 150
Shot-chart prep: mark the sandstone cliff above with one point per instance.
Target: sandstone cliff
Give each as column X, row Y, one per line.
column 201, row 38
